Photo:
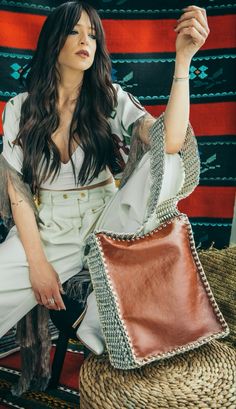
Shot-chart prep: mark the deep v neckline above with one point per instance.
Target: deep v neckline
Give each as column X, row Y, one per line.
column 66, row 163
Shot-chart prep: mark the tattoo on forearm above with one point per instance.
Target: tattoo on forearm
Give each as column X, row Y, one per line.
column 17, row 203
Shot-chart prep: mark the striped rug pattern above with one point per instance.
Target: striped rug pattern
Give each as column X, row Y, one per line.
column 66, row 396
column 141, row 41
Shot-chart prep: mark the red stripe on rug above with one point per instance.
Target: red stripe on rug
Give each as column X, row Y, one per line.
column 153, row 36
column 212, row 119
column 2, row 105
column 70, row 371
column 19, row 30
column 123, row 36
column 212, row 202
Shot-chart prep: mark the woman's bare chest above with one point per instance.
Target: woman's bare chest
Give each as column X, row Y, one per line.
column 61, row 137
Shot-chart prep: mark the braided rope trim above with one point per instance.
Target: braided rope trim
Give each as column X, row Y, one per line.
column 115, row 334
column 191, row 166
column 120, row 349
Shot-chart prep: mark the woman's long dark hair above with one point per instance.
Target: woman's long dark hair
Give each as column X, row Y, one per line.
column 96, row 101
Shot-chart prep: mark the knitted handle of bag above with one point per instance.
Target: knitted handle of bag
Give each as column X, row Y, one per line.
column 191, row 165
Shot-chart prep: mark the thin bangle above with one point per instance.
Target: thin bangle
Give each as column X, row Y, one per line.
column 180, row 78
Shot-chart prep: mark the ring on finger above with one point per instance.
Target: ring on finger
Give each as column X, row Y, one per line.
column 51, row 301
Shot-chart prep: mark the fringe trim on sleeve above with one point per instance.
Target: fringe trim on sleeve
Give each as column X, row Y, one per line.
column 35, row 344
column 32, row 330
column 137, row 150
column 7, row 171
column 79, row 287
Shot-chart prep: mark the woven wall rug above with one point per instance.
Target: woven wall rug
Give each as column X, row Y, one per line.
column 66, row 396
column 141, row 41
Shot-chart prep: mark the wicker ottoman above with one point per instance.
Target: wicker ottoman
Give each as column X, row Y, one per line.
column 220, row 269
column 201, row 379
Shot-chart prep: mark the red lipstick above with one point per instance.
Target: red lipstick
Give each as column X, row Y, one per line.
column 83, row 53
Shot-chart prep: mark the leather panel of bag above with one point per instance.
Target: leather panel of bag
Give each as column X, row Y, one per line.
column 174, row 310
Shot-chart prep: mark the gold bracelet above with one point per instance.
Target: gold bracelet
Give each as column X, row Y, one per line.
column 180, row 78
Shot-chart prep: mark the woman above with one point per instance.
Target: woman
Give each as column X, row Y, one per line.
column 59, row 139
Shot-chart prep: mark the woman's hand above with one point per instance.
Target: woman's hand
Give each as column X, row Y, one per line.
column 46, row 286
column 193, row 30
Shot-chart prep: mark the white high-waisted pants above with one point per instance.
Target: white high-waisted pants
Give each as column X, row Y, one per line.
column 68, row 218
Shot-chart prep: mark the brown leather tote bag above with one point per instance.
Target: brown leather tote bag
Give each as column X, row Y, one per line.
column 153, row 297
column 156, row 298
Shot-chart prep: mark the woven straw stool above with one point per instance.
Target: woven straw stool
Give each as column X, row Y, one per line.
column 201, row 379
column 220, row 269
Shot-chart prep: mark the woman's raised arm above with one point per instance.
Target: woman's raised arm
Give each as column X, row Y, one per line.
column 193, row 30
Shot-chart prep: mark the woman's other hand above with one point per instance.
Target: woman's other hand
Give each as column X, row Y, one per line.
column 193, row 30
column 46, row 286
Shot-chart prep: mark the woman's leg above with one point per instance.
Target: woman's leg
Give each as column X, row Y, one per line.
column 68, row 218
column 16, row 295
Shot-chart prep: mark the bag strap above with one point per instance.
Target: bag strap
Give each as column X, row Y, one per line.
column 191, row 165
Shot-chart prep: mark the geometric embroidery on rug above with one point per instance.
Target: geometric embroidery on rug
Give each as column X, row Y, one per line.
column 66, row 396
